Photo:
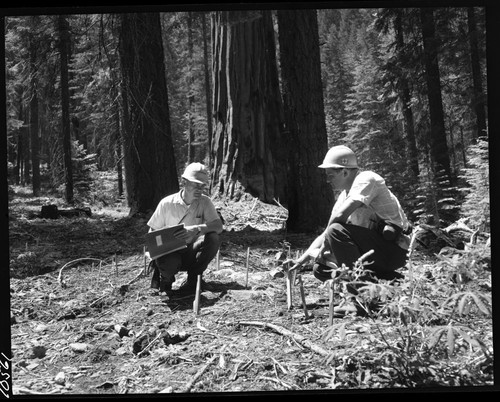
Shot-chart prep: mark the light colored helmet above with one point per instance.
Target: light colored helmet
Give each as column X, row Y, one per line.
column 340, row 156
column 196, row 173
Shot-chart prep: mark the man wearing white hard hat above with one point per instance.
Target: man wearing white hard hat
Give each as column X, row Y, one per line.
column 202, row 226
column 366, row 216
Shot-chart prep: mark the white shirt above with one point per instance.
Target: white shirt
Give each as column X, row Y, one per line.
column 379, row 203
column 172, row 210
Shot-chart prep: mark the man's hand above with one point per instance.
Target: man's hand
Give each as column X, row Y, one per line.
column 188, row 233
column 314, row 254
column 297, row 264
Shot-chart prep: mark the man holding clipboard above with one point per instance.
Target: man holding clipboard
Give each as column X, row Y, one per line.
column 202, row 226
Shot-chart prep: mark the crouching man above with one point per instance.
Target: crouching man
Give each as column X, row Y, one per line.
column 366, row 216
column 202, row 227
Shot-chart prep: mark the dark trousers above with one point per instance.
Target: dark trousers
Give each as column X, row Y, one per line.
column 194, row 259
column 349, row 242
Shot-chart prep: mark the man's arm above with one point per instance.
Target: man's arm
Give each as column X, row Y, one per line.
column 212, row 226
column 344, row 211
column 340, row 216
column 191, row 231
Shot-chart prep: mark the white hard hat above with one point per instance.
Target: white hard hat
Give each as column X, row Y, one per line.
column 339, row 156
column 196, row 172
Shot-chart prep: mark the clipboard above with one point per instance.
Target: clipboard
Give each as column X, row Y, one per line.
column 162, row 241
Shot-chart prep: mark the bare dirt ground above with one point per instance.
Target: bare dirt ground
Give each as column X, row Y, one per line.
column 85, row 321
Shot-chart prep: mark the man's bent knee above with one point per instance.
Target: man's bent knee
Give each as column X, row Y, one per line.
column 212, row 240
column 335, row 229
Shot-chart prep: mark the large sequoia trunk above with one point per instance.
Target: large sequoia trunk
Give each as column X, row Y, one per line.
column 247, row 148
column 150, row 168
column 310, row 198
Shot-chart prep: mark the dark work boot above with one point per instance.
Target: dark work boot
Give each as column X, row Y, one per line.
column 188, row 287
column 165, row 286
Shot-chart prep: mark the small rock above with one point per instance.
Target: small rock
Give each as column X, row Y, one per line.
column 164, row 324
column 38, row 352
column 40, row 328
column 79, row 347
column 121, row 351
column 227, row 272
column 123, row 289
column 32, row 366
column 60, row 378
column 171, row 338
column 104, row 326
column 122, row 331
column 276, row 273
column 243, row 294
column 167, row 390
column 140, row 343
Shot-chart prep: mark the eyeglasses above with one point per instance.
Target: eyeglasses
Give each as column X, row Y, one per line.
column 196, row 186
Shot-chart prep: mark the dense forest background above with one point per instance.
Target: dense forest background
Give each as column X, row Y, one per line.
column 104, row 111
column 258, row 96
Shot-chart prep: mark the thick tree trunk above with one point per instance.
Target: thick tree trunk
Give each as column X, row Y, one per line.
column 150, row 168
column 478, row 102
column 207, row 89
column 18, row 169
column 34, row 127
column 439, row 147
column 247, row 145
column 26, row 179
column 310, row 199
column 190, row 85
column 118, row 151
column 64, row 42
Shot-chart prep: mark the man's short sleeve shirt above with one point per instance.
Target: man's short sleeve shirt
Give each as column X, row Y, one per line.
column 172, row 209
column 379, row 203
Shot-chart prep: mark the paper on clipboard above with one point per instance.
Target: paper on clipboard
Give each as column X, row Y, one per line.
column 162, row 241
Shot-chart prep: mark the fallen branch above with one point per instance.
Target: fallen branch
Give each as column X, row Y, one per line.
column 60, row 278
column 21, row 390
column 283, row 331
column 199, row 374
column 98, row 300
column 279, row 205
column 149, row 344
column 278, row 381
column 139, row 276
column 253, row 207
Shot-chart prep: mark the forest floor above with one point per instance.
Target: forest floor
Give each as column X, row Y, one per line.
column 85, row 321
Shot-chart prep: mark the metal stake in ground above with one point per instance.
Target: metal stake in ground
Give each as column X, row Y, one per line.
column 332, row 299
column 289, row 284
column 248, row 257
column 196, row 303
column 302, row 296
